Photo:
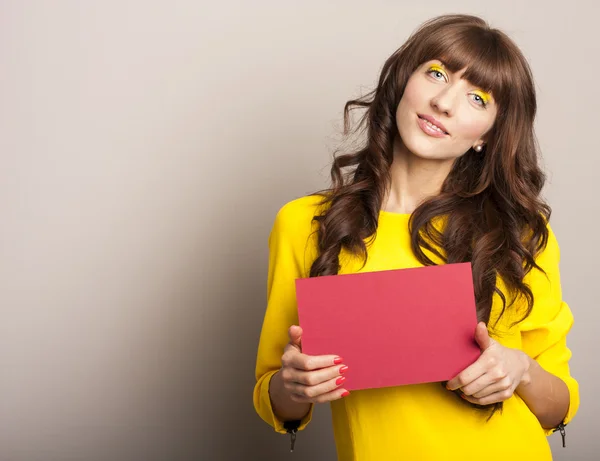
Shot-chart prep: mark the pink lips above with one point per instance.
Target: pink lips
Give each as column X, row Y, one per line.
column 435, row 122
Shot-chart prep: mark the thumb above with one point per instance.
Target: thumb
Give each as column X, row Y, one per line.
column 295, row 334
column 482, row 336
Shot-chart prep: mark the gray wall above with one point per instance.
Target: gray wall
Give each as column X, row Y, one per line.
column 145, row 149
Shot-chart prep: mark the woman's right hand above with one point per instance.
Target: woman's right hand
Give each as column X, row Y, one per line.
column 311, row 378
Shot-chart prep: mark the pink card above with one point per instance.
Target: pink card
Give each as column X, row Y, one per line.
column 392, row 327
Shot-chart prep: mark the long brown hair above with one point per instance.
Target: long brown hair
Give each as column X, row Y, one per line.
column 490, row 202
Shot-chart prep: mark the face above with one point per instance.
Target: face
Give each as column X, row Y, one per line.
column 435, row 95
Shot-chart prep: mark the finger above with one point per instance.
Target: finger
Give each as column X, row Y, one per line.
column 312, row 378
column 492, row 377
column 487, row 361
column 498, row 386
column 482, row 336
column 327, row 397
column 318, row 389
column 496, row 397
column 292, row 358
column 295, row 334
column 468, row 375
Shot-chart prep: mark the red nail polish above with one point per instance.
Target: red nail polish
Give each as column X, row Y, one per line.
column 337, row 360
column 343, row 369
column 346, row 393
column 463, row 396
column 340, row 380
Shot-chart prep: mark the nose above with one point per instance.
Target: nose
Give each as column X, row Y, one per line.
column 444, row 101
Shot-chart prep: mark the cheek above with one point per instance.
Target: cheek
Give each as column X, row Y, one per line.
column 409, row 97
column 410, row 103
column 472, row 128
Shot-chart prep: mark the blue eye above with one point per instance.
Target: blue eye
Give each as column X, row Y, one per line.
column 434, row 72
column 480, row 100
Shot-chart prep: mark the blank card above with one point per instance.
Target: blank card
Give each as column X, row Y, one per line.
column 393, row 327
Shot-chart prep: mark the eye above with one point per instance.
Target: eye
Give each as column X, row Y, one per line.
column 479, row 100
column 437, row 72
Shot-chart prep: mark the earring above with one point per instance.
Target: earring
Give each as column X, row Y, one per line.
column 478, row 148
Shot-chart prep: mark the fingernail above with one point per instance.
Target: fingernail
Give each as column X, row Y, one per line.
column 343, row 369
column 345, row 394
column 337, row 360
column 463, row 396
column 340, row 380
column 447, row 387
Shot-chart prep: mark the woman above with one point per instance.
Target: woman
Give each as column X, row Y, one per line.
column 448, row 173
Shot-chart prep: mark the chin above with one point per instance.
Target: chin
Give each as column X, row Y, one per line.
column 420, row 145
column 425, row 152
column 425, row 148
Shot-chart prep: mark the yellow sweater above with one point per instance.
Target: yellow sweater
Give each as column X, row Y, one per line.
column 423, row 421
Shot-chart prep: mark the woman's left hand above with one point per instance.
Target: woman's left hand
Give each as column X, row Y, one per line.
column 495, row 374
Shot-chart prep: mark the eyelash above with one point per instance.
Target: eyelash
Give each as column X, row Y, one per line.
column 433, row 70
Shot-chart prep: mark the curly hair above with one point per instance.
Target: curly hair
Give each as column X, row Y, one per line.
column 490, row 204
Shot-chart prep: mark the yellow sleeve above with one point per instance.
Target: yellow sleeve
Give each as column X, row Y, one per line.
column 287, row 261
column 544, row 332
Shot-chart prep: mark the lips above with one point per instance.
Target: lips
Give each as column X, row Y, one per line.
column 433, row 121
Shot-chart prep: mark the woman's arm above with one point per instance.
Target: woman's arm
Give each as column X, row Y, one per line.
column 546, row 395
column 549, row 390
column 290, row 253
column 538, row 372
column 283, row 406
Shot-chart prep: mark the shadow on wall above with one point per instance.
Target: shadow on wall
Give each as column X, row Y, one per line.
column 215, row 339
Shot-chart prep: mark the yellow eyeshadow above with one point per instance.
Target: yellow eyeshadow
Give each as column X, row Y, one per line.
column 483, row 95
column 437, row 69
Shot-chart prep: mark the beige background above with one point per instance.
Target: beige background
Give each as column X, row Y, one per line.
column 145, row 149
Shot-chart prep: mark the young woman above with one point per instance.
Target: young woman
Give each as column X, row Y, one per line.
column 448, row 173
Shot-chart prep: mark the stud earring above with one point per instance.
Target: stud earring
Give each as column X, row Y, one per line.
column 478, row 148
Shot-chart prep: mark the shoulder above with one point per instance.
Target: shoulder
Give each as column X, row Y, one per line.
column 297, row 215
column 549, row 256
column 294, row 232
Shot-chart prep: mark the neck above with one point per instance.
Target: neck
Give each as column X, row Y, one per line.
column 413, row 180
